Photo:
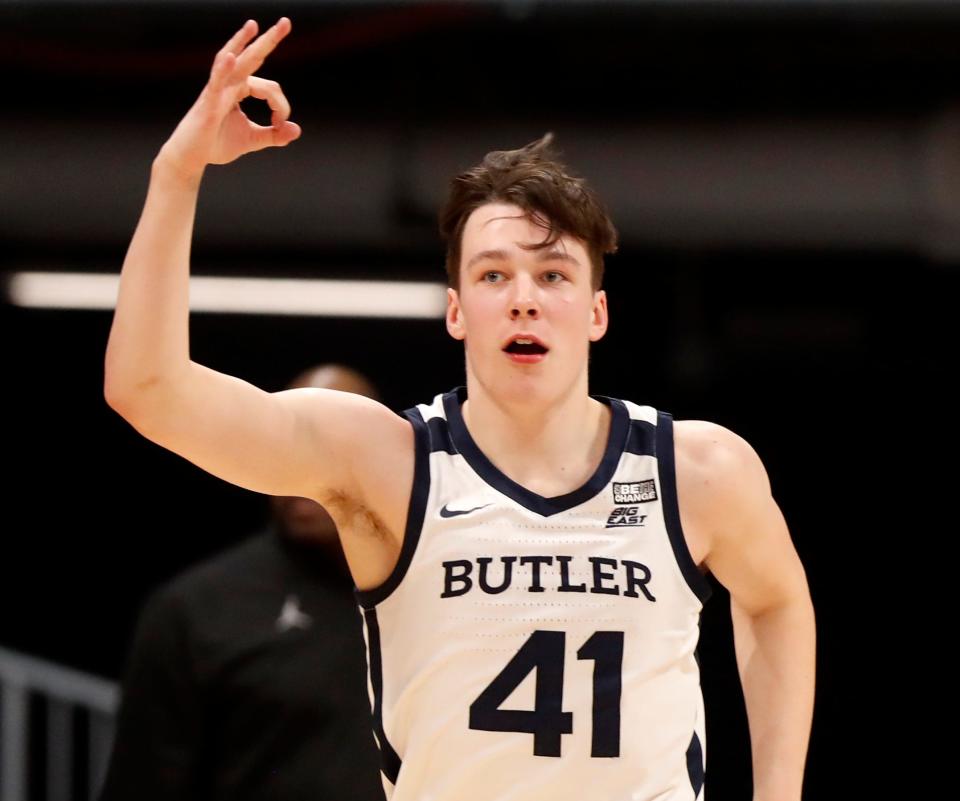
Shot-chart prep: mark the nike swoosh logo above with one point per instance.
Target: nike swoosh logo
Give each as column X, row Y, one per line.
column 444, row 512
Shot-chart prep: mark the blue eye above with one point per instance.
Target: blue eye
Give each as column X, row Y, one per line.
column 496, row 275
column 553, row 277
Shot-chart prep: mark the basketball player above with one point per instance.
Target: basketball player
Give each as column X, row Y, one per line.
column 530, row 560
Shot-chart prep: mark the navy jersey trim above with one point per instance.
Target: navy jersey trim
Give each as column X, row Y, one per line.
column 415, row 514
column 642, row 439
column 390, row 762
column 440, row 436
column 695, row 767
column 666, row 464
column 463, row 442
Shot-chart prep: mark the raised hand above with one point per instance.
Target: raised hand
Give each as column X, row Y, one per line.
column 215, row 130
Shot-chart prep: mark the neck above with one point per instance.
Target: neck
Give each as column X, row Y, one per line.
column 550, row 448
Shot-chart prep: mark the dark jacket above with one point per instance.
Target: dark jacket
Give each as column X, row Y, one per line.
column 247, row 680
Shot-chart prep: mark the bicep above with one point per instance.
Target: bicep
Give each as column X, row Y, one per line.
column 299, row 442
column 756, row 560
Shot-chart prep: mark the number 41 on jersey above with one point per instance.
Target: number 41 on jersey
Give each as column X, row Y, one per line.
column 547, row 722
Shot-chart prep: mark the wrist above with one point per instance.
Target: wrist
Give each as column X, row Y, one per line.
column 167, row 170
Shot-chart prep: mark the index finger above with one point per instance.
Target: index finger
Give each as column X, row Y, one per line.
column 249, row 60
column 241, row 38
column 224, row 63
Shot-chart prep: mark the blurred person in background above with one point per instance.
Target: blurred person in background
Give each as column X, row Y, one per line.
column 246, row 675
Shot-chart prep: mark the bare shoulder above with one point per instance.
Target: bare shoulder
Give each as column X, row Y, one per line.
column 712, row 459
column 349, row 417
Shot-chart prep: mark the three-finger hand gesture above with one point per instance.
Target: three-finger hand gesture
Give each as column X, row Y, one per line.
column 215, row 130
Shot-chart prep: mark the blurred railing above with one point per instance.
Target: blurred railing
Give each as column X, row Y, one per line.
column 76, row 711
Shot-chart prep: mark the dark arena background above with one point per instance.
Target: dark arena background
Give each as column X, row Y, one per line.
column 785, row 177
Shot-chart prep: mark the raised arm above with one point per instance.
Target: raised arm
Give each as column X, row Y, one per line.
column 149, row 343
column 724, row 491
column 307, row 442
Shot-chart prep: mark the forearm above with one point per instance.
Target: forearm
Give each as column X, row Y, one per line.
column 149, row 338
column 776, row 654
column 149, row 346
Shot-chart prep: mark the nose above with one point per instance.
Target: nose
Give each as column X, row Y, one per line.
column 524, row 303
column 526, row 309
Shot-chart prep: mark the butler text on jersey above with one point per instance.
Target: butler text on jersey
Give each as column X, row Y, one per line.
column 610, row 576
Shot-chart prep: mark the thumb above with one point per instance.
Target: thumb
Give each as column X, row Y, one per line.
column 286, row 133
column 264, row 136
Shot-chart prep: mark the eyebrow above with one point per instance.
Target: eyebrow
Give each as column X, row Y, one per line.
column 553, row 254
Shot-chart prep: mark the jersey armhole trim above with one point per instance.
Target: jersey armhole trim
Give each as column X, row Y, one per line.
column 416, row 510
column 390, row 762
column 666, row 466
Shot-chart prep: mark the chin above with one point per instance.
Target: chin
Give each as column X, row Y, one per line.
column 517, row 384
column 528, row 387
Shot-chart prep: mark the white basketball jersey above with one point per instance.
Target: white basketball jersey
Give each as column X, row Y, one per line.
column 530, row 648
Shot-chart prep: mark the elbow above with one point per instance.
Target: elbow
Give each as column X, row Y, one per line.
column 113, row 392
column 150, row 401
column 115, row 399
column 118, row 399
column 116, row 382
column 116, row 391
column 125, row 398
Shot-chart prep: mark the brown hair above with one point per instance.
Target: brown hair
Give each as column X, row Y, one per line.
column 535, row 180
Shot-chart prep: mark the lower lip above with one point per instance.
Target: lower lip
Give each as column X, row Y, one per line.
column 526, row 358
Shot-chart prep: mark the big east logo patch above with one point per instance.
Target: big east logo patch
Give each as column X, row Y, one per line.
column 625, row 516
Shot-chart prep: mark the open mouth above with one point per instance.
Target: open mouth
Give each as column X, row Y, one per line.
column 525, row 346
column 525, row 350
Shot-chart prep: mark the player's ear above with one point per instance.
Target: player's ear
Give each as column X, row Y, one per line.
column 454, row 315
column 598, row 316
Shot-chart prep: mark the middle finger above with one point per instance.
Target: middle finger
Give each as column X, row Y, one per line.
column 250, row 59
